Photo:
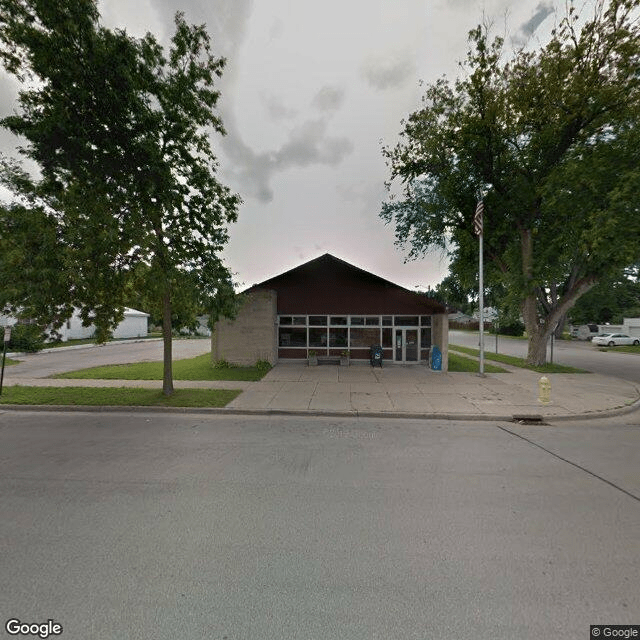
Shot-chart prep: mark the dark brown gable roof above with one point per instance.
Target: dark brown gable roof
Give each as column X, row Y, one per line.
column 328, row 285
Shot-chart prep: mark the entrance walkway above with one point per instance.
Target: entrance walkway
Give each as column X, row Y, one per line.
column 415, row 389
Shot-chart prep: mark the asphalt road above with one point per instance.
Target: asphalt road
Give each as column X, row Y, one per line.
column 139, row 525
column 583, row 355
column 41, row 365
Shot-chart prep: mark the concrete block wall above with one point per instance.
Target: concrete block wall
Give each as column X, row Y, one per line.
column 440, row 336
column 252, row 335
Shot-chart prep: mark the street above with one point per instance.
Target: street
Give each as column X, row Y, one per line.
column 141, row 525
column 41, row 365
column 575, row 353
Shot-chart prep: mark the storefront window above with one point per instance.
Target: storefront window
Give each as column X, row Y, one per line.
column 317, row 337
column 425, row 321
column 292, row 337
column 317, row 321
column 364, row 337
column 338, row 321
column 425, row 337
column 406, row 321
column 357, row 320
column 293, row 320
column 387, row 338
column 387, row 321
column 372, row 322
column 338, row 337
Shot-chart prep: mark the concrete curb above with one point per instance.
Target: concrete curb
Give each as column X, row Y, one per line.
column 316, row 413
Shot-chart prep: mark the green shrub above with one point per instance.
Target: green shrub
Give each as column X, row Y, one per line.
column 263, row 365
column 26, row 337
column 221, row 364
column 511, row 328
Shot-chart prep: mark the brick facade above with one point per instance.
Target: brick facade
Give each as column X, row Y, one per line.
column 327, row 306
column 252, row 335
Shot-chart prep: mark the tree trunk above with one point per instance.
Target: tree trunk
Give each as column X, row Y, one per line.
column 537, row 350
column 560, row 327
column 538, row 333
column 167, row 380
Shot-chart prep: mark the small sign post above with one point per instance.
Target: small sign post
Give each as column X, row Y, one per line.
column 7, row 337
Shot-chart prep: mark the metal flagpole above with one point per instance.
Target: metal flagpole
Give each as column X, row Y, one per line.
column 7, row 337
column 478, row 227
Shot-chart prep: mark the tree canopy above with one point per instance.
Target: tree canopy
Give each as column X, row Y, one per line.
column 610, row 301
column 121, row 133
column 551, row 139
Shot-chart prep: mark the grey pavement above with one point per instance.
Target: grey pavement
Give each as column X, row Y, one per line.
column 399, row 390
column 138, row 526
column 575, row 353
column 416, row 390
column 51, row 361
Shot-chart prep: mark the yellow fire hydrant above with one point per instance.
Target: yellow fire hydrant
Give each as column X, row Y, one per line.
column 544, row 388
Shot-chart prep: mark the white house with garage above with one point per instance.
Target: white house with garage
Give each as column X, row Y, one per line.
column 134, row 325
column 629, row 326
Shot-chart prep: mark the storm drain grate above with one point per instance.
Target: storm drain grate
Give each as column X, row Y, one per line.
column 529, row 419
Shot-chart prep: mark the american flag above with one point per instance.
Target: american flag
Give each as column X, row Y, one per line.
column 477, row 219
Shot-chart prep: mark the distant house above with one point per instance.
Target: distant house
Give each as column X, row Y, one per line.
column 460, row 317
column 326, row 307
column 489, row 314
column 629, row 326
column 134, row 325
column 203, row 326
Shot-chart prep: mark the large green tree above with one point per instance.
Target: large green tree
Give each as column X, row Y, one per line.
column 610, row 300
column 121, row 132
column 551, row 140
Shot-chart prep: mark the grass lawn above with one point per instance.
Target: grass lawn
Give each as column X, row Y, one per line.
column 517, row 362
column 458, row 363
column 624, row 348
column 8, row 362
column 198, row 368
column 490, row 334
column 116, row 396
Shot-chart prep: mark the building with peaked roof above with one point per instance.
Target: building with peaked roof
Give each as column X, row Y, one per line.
column 327, row 307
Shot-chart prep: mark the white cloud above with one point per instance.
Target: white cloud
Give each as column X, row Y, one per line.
column 328, row 98
column 389, row 71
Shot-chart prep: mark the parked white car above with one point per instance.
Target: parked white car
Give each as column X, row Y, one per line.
column 614, row 339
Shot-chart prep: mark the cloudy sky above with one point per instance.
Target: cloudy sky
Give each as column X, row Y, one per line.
column 311, row 92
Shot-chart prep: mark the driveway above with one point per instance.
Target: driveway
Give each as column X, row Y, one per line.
column 41, row 365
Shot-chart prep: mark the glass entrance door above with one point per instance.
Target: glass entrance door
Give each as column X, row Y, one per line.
column 406, row 345
column 411, row 345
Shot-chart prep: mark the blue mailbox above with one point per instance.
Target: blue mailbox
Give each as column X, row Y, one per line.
column 436, row 358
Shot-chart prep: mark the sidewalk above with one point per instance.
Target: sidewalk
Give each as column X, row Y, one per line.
column 398, row 390
column 401, row 390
